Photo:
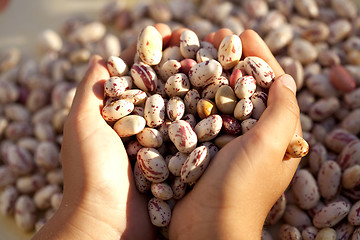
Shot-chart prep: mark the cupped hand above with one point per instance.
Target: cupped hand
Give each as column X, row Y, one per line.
column 232, row 198
column 100, row 198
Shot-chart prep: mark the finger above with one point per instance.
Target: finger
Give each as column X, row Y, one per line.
column 253, row 45
column 90, row 91
column 129, row 53
column 279, row 120
column 219, row 36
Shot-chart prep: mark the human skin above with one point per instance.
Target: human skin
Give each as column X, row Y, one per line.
column 230, row 201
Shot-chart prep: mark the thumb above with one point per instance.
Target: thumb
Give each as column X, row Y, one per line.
column 279, row 120
column 89, row 95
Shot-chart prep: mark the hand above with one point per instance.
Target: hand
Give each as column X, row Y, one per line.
column 100, row 198
column 233, row 197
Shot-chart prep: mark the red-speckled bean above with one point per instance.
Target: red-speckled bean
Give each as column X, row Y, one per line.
column 260, row 70
column 115, row 86
column 247, row 124
column 195, row 164
column 142, row 184
column 204, row 73
column 177, row 85
column 176, row 162
column 19, row 160
column 135, row 96
column 305, row 189
column 178, row 187
column 243, row 109
column 208, row 128
column 245, row 87
column 331, row 214
column 288, row 232
column 297, row 147
column 259, row 100
column 159, row 212
column 149, row 45
column 144, row 77
column 296, row 217
column 354, row 214
column 324, row 108
column 175, row 108
column 7, row 200
column 309, row 233
column 161, row 190
column 344, row 231
column 152, row 165
column 210, row 90
column 329, row 178
column 277, row 211
column 154, row 110
column 116, row 66
column 150, row 137
column 350, row 155
column 230, row 51
column 30, row 184
column 25, row 213
column 189, row 44
column 191, row 100
column 169, row 68
column 183, row 136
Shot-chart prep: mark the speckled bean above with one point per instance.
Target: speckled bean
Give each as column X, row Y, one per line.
column 183, row 136
column 176, row 162
column 317, row 156
column 169, row 68
column 144, row 77
column 30, row 184
column 175, row 108
column 288, row 232
column 149, row 45
column 297, row 147
column 296, row 217
column 337, row 139
column 245, row 87
column 152, row 165
column 331, row 214
column 213, row 149
column 309, row 233
column 319, row 84
column 350, row 155
column 259, row 100
column 154, row 110
column 161, row 191
column 210, row 90
column 116, row 66
column 25, row 213
column 42, row 197
column 19, row 160
column 260, row 70
column 303, row 51
column 178, row 85
column 178, row 187
column 195, row 164
column 7, row 177
column 204, row 73
column 243, row 109
column 247, row 124
column 142, row 184
column 150, row 138
column 7, row 200
column 189, row 44
column 329, row 179
column 344, row 230
column 277, row 210
column 324, row 108
column 129, row 125
column 208, row 128
column 230, row 51
column 305, row 189
column 47, row 155
column 279, row 37
column 159, row 212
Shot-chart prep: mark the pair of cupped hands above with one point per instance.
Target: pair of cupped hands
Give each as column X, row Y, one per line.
column 230, row 201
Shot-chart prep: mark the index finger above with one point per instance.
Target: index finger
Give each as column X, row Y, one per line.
column 253, row 45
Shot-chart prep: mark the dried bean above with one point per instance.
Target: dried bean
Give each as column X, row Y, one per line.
column 152, row 165
column 25, row 213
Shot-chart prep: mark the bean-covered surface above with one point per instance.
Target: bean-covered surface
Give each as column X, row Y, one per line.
column 321, row 39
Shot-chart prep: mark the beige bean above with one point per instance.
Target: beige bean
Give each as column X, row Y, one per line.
column 351, row 177
column 25, row 213
column 160, row 212
column 305, row 189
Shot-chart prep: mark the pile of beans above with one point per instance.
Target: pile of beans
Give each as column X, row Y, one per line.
column 177, row 130
column 316, row 41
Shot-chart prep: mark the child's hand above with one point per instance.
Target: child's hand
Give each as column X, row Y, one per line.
column 232, row 198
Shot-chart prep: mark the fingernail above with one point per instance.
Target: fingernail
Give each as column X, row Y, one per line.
column 288, row 82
